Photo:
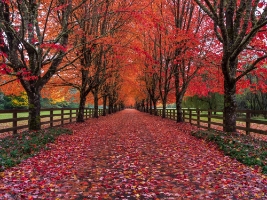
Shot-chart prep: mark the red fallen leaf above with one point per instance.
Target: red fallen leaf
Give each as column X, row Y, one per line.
column 188, row 194
column 260, row 5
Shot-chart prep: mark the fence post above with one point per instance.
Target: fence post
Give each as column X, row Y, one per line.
column 15, row 122
column 248, row 116
column 51, row 117
column 70, row 115
column 183, row 114
column 173, row 114
column 190, row 116
column 62, row 116
column 198, row 118
column 209, row 119
column 223, row 119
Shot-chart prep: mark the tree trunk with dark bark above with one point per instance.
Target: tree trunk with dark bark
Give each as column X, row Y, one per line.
column 229, row 106
column 150, row 106
column 96, row 103
column 104, row 105
column 163, row 109
column 147, row 105
column 34, row 121
column 155, row 107
column 80, row 116
column 179, row 117
column 110, row 105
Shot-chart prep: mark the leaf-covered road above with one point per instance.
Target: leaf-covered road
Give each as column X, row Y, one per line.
column 131, row 155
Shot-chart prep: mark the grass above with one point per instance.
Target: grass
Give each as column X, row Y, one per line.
column 10, row 116
column 244, row 148
column 26, row 114
column 260, row 118
column 16, row 148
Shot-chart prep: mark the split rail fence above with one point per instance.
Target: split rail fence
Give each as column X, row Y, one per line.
column 15, row 120
column 211, row 119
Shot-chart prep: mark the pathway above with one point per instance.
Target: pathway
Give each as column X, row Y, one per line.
column 131, row 155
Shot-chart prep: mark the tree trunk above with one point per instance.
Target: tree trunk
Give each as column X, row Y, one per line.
column 164, row 109
column 80, row 116
column 229, row 106
column 143, row 106
column 104, row 105
column 34, row 122
column 155, row 107
column 150, row 106
column 147, row 105
column 179, row 99
column 178, row 94
column 95, row 103
column 110, row 106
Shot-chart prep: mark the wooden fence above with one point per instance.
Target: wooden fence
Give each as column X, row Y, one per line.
column 15, row 120
column 212, row 119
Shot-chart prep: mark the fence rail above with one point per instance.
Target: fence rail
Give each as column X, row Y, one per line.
column 15, row 120
column 211, row 119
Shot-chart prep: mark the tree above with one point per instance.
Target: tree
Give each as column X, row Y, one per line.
column 238, row 25
column 31, row 45
column 192, row 47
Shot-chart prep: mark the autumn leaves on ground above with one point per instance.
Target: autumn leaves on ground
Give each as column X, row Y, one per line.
column 131, row 155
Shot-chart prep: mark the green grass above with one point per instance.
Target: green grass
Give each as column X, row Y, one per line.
column 244, row 148
column 10, row 116
column 206, row 119
column 259, row 118
column 16, row 148
column 26, row 114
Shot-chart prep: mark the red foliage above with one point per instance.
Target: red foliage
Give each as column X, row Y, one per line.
column 4, row 69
